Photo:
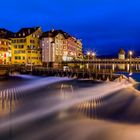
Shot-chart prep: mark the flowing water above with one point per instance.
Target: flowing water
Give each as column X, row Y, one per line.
column 52, row 108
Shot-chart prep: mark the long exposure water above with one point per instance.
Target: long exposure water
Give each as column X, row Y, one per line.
column 53, row 108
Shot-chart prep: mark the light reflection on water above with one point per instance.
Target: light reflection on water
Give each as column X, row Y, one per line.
column 10, row 100
column 113, row 107
column 110, row 107
column 106, row 108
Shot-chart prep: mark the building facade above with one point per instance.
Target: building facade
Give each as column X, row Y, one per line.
column 26, row 48
column 5, row 51
column 52, row 43
column 5, row 47
column 58, row 46
column 72, row 49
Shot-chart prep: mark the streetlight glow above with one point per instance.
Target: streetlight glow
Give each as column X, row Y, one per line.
column 88, row 53
column 93, row 54
column 130, row 53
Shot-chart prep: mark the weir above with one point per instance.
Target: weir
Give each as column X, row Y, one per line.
column 49, row 105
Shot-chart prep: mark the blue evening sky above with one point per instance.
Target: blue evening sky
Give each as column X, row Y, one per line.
column 103, row 25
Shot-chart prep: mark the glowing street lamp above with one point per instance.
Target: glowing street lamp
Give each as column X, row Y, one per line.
column 130, row 53
column 88, row 53
column 93, row 54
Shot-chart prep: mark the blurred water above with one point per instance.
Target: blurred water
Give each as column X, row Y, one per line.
column 35, row 108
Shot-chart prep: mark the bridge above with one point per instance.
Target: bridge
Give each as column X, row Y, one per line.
column 103, row 74
column 104, row 61
column 93, row 73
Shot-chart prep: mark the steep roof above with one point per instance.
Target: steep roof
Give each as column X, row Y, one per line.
column 122, row 51
column 5, row 34
column 54, row 33
column 23, row 32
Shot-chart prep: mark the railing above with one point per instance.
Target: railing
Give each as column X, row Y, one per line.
column 134, row 60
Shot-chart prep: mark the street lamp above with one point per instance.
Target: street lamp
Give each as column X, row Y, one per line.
column 130, row 54
column 88, row 54
column 93, row 54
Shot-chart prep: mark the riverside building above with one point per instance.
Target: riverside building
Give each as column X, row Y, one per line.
column 25, row 47
column 5, row 47
column 58, row 46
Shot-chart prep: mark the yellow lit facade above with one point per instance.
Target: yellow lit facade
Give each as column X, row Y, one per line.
column 5, row 51
column 25, row 47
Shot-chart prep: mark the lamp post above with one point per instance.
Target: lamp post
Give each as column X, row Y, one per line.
column 93, row 55
column 130, row 53
column 88, row 55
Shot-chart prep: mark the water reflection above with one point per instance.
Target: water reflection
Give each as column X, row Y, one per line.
column 66, row 91
column 10, row 100
column 109, row 108
column 50, row 111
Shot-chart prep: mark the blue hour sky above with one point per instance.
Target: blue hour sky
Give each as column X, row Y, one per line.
column 103, row 25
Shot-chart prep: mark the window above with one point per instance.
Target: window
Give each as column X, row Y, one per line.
column 32, row 41
column 20, row 46
column 24, row 40
column 14, row 41
column 17, row 57
column 15, row 46
column 19, row 51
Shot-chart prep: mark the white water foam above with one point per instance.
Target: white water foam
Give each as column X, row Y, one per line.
column 57, row 103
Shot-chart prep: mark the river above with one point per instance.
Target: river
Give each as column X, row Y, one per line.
column 52, row 108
